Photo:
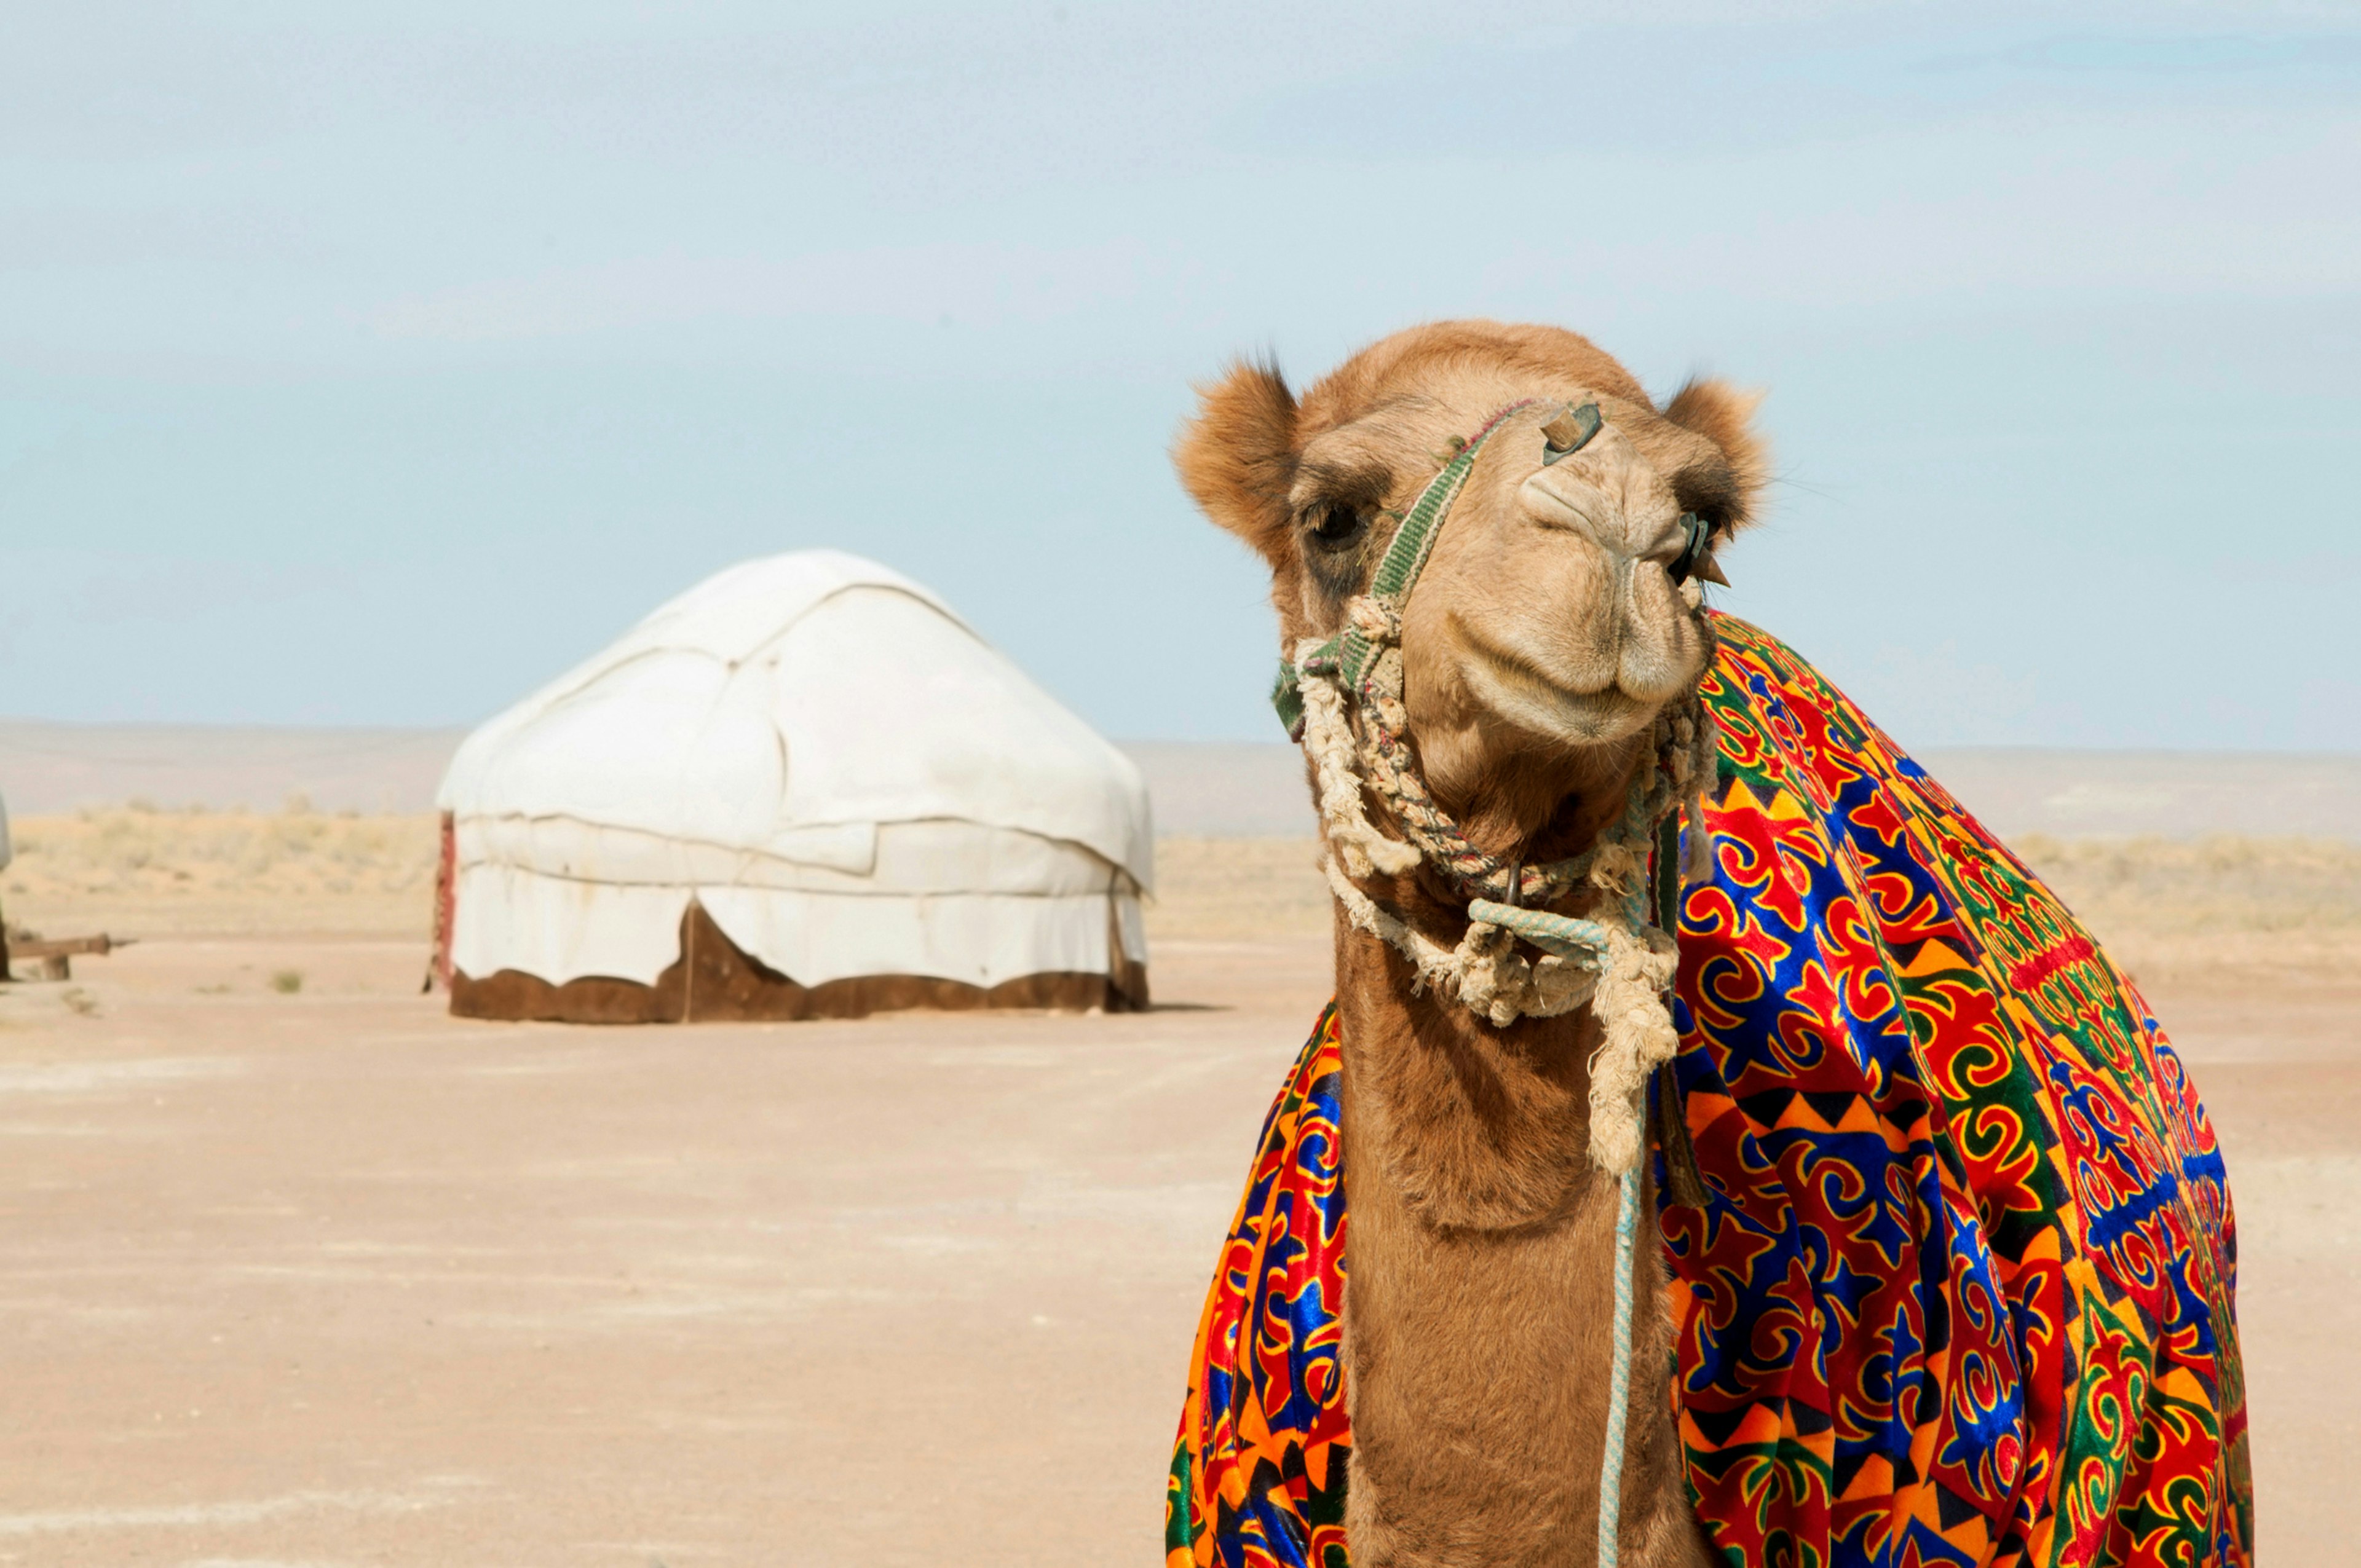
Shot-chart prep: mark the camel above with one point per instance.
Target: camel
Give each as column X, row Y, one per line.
column 1542, row 640
column 1544, row 660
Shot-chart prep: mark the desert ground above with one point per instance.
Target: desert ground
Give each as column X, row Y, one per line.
column 303, row 1271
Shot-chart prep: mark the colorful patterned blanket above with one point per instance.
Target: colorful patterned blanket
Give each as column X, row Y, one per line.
column 1961, row 1292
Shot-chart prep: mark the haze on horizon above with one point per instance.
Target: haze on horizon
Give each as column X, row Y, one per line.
column 370, row 368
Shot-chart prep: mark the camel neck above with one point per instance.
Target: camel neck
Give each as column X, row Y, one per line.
column 1482, row 1258
column 1486, row 1127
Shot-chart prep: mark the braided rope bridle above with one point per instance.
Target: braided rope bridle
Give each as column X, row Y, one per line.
column 1343, row 699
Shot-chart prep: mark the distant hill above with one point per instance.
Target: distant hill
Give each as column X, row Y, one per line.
column 1202, row 789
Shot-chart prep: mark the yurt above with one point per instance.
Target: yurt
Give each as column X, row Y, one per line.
column 804, row 788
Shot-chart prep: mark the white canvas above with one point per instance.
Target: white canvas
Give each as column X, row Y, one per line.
column 844, row 774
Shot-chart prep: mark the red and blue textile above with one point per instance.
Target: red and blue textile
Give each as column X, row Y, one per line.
column 1961, row 1292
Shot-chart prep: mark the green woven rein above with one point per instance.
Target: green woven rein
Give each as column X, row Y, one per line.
column 1351, row 652
column 1364, row 660
column 1414, row 543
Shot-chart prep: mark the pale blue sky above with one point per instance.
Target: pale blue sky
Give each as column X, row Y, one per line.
column 371, row 369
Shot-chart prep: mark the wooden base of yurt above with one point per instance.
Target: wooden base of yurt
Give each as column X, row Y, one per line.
column 714, row 983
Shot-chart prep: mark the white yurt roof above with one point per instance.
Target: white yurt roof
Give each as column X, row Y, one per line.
column 813, row 724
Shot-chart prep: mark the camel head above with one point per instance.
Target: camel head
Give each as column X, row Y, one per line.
column 1546, row 630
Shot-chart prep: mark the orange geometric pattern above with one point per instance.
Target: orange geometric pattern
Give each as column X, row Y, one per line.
column 1258, row 1473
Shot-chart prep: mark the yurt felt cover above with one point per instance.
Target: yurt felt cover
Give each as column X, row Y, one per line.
column 821, row 756
column 1962, row 1289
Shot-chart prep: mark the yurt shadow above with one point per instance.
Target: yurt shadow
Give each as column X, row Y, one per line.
column 803, row 789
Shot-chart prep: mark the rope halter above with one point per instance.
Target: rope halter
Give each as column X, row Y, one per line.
column 1617, row 959
column 1620, row 960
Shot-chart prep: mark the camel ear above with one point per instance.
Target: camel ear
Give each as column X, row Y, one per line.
column 1237, row 456
column 1723, row 415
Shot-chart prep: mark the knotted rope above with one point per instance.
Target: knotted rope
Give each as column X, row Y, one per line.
column 1616, row 959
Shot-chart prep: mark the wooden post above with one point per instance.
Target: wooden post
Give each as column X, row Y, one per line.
column 57, row 958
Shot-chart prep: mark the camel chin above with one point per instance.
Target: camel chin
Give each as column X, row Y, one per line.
column 1560, row 682
column 1570, row 719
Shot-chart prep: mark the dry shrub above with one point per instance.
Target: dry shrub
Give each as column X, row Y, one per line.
column 2221, row 882
column 1234, row 889
column 140, row 848
column 142, row 870
column 2220, row 907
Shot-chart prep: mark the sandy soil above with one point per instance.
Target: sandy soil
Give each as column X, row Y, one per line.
column 330, row 1277
column 322, row 1275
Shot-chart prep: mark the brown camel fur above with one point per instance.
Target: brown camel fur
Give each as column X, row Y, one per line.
column 1543, row 638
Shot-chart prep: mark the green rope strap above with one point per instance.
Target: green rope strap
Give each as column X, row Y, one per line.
column 1649, row 810
column 1413, row 542
column 1397, row 573
column 1568, row 936
column 1287, row 692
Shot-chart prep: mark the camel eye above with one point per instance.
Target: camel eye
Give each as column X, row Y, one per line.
column 1335, row 525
